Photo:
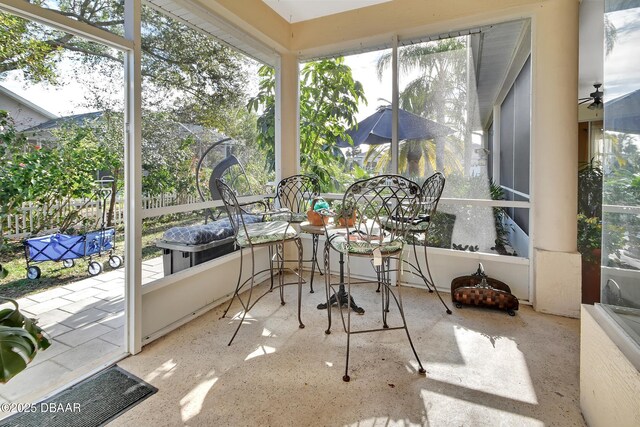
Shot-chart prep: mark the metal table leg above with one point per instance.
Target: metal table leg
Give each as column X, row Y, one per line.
column 342, row 295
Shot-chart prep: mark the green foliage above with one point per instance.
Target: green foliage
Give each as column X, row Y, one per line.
column 589, row 238
column 20, row 340
column 50, row 176
column 343, row 211
column 590, row 190
column 19, row 49
column 329, row 98
column 437, row 92
column 622, row 188
column 499, row 218
column 265, row 101
column 168, row 157
column 208, row 76
column 441, row 230
column 590, row 212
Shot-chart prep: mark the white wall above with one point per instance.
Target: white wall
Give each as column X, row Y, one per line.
column 609, row 382
column 169, row 302
column 445, row 266
column 23, row 116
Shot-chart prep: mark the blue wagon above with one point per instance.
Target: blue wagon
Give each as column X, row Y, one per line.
column 66, row 248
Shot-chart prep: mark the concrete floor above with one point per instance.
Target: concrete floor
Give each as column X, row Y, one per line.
column 484, row 368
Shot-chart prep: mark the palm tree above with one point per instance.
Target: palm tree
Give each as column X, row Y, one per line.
column 439, row 93
column 416, row 159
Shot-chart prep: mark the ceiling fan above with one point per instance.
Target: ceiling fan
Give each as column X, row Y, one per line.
column 596, row 97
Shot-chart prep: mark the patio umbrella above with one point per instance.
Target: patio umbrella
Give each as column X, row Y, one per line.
column 623, row 114
column 376, row 129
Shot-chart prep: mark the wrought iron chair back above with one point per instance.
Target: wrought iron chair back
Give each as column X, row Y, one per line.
column 296, row 191
column 431, row 192
column 377, row 202
column 233, row 208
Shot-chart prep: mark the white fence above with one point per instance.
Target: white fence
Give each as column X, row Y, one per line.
column 29, row 216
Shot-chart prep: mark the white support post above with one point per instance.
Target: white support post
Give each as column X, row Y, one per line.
column 278, row 122
column 133, row 178
column 495, row 146
column 287, row 122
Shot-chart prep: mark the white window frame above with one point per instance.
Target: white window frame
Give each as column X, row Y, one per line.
column 130, row 46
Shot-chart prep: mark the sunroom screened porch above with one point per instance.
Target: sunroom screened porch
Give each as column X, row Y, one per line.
column 553, row 272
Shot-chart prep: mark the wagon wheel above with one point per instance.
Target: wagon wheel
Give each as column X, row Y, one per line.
column 33, row 273
column 94, row 268
column 68, row 263
column 115, row 261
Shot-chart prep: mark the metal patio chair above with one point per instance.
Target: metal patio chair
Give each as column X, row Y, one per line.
column 418, row 234
column 294, row 194
column 380, row 200
column 251, row 236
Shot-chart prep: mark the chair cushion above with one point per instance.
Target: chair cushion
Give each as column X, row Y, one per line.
column 358, row 244
column 204, row 233
column 266, row 232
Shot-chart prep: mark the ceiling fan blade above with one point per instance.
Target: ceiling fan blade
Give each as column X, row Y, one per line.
column 585, row 101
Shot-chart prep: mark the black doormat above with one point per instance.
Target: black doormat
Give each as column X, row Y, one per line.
column 92, row 402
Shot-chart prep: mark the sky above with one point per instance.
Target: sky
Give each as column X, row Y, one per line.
column 621, row 67
column 70, row 97
column 363, row 68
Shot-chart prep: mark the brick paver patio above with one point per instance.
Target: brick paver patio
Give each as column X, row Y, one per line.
column 85, row 323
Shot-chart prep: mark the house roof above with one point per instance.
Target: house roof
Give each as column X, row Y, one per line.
column 82, row 119
column 77, row 119
column 26, row 102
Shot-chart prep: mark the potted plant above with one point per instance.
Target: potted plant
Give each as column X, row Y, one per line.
column 20, row 341
column 590, row 229
column 589, row 238
column 345, row 213
column 317, row 204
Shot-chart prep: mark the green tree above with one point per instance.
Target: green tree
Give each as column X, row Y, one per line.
column 191, row 84
column 50, row 176
column 439, row 93
column 19, row 51
column 207, row 76
column 329, row 98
